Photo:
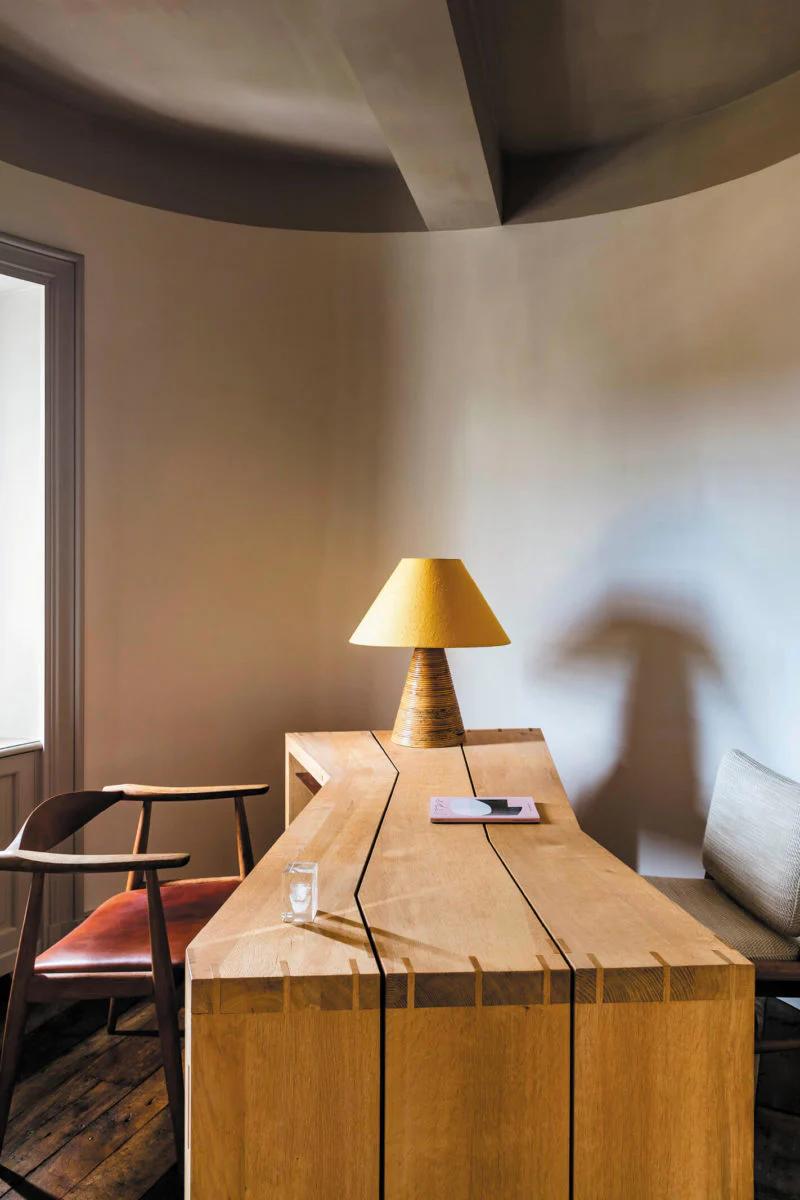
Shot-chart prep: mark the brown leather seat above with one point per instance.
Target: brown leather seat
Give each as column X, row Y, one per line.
column 116, row 937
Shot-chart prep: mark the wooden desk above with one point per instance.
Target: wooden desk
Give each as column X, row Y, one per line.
column 477, row 1013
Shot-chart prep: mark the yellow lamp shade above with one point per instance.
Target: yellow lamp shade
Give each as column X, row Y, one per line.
column 430, row 602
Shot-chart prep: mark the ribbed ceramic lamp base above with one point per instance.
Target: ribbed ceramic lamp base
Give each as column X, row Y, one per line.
column 428, row 715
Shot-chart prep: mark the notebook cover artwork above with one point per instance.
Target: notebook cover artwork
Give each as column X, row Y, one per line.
column 488, row 810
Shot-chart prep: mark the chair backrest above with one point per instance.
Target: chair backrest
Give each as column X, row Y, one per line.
column 752, row 840
column 59, row 817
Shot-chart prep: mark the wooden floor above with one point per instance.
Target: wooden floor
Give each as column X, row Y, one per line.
column 90, row 1120
column 778, row 1111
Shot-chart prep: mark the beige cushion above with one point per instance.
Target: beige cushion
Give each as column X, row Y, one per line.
column 711, row 907
column 752, row 841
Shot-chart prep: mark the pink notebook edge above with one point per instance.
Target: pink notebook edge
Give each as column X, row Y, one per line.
column 442, row 811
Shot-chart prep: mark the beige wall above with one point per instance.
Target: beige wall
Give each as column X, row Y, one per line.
column 600, row 416
column 228, row 483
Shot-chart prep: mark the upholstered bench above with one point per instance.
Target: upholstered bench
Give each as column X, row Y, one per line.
column 750, row 897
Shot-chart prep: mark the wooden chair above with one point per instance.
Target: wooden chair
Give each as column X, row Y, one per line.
column 750, row 896
column 133, row 944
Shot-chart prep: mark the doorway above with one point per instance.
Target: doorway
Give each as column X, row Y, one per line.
column 22, row 509
column 41, row 306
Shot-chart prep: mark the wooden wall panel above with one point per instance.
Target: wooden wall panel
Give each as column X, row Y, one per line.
column 20, row 784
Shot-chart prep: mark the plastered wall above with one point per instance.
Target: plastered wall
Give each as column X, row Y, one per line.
column 601, row 416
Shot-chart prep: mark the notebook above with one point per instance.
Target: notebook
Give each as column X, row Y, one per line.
column 487, row 810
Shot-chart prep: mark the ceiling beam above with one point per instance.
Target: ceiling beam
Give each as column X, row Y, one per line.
column 420, row 66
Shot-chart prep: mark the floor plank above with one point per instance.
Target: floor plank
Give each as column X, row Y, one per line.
column 90, row 1116
column 49, row 1062
column 103, row 1138
column 61, row 1127
column 777, row 1166
column 134, row 1168
column 122, row 1063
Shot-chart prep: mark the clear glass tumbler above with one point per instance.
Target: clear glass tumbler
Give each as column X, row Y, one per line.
column 299, row 892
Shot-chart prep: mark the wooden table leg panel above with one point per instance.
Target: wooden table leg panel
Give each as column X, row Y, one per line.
column 477, row 1103
column 660, row 1112
column 286, row 1105
column 216, row 1099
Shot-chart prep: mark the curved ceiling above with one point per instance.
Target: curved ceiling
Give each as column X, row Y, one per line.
column 266, row 72
column 572, row 74
column 369, row 114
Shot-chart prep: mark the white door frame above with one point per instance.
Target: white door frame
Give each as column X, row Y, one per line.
column 61, row 273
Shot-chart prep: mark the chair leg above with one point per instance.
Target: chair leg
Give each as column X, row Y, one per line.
column 18, row 1000
column 166, row 1009
column 761, row 1013
column 113, row 1016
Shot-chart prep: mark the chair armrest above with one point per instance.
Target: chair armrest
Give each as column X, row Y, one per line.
column 143, row 791
column 37, row 861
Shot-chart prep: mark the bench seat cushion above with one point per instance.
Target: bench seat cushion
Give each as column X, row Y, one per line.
column 711, row 907
column 752, row 841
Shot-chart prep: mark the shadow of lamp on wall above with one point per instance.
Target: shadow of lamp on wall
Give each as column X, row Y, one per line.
column 428, row 604
column 654, row 786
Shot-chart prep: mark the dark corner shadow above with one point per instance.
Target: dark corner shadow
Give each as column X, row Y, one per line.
column 654, row 785
column 23, row 1187
column 678, row 158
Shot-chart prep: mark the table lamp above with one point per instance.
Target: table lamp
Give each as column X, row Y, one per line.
column 429, row 604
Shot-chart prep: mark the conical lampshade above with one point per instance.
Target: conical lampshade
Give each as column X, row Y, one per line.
column 430, row 602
